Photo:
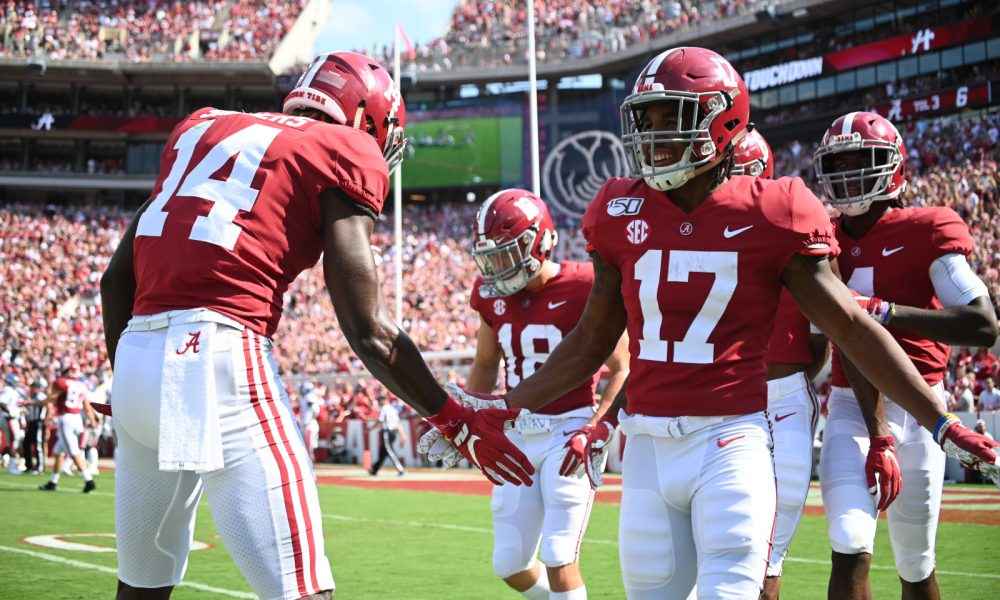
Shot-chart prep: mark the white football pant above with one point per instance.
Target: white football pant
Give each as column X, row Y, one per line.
column 69, row 430
column 698, row 506
column 850, row 509
column 552, row 514
column 792, row 409
column 263, row 501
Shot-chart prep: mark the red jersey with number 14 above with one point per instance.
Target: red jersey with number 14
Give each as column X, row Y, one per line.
column 529, row 325
column 234, row 216
column 701, row 289
column 893, row 261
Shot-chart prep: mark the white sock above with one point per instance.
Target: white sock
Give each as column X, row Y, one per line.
column 55, row 477
column 579, row 593
column 87, row 476
column 92, row 459
column 541, row 590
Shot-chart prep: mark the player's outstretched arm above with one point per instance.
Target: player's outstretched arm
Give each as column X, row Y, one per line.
column 392, row 357
column 973, row 324
column 118, row 288
column 828, row 304
column 584, row 349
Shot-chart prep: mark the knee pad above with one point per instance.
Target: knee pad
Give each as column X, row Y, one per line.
column 852, row 533
column 559, row 551
column 507, row 562
column 915, row 567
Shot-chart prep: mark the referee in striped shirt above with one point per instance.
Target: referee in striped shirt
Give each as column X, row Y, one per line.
column 392, row 428
column 33, row 447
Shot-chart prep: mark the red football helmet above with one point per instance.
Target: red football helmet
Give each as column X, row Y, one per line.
column 881, row 177
column 514, row 236
column 713, row 107
column 354, row 90
column 752, row 156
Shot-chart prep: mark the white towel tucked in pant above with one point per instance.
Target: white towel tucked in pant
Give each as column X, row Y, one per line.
column 190, row 435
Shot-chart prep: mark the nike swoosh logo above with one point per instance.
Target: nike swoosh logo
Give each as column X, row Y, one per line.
column 721, row 443
column 887, row 252
column 557, row 304
column 728, row 234
column 778, row 418
column 472, row 449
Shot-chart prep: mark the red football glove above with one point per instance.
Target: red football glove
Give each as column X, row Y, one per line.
column 974, row 450
column 877, row 308
column 882, row 469
column 479, row 437
column 586, row 451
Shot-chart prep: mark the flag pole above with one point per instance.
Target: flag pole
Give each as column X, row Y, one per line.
column 397, row 196
column 533, row 101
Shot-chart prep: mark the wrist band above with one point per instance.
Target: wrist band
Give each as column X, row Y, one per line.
column 942, row 425
column 448, row 417
column 888, row 313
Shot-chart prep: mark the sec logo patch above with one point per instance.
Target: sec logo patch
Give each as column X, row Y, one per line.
column 637, row 231
column 499, row 307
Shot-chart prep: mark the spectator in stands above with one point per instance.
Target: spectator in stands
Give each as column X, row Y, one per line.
column 985, row 365
column 963, row 399
column 989, row 398
column 981, row 428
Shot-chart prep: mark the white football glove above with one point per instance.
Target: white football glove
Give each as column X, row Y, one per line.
column 435, row 446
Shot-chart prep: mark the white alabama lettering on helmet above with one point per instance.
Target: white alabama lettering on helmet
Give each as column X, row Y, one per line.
column 527, row 207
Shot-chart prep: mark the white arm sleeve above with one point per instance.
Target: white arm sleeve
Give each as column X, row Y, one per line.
column 955, row 283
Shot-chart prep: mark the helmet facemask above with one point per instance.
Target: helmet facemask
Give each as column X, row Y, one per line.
column 508, row 266
column 853, row 190
column 693, row 132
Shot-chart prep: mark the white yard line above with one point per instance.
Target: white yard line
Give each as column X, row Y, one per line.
column 79, row 564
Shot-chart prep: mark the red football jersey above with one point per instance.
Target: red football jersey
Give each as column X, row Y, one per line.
column 790, row 338
column 70, row 394
column 892, row 261
column 235, row 217
column 701, row 289
column 529, row 325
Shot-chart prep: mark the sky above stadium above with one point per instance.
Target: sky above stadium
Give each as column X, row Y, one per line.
column 364, row 24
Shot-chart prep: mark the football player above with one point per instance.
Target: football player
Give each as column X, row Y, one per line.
column 694, row 268
column 67, row 399
column 527, row 303
column 911, row 265
column 192, row 296
column 794, row 357
column 11, row 400
column 309, row 406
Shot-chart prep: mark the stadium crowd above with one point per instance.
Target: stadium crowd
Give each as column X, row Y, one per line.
column 51, row 258
column 143, row 31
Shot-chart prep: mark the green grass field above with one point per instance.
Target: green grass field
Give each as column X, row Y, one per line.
column 390, row 544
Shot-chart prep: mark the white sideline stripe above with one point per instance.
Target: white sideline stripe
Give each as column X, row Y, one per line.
column 61, row 490
column 108, row 570
column 589, row 540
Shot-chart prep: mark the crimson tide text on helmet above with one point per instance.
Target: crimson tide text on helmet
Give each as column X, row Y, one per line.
column 354, row 90
column 514, row 236
column 713, row 107
column 752, row 156
column 882, row 178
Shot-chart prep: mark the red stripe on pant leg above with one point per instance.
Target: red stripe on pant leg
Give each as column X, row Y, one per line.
column 275, row 452
column 283, row 436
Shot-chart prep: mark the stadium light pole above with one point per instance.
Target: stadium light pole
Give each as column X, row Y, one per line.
column 533, row 102
column 397, row 197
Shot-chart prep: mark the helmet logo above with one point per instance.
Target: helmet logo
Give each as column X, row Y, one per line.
column 499, row 306
column 686, row 228
column 527, row 207
column 335, row 79
column 724, row 70
column 637, row 231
